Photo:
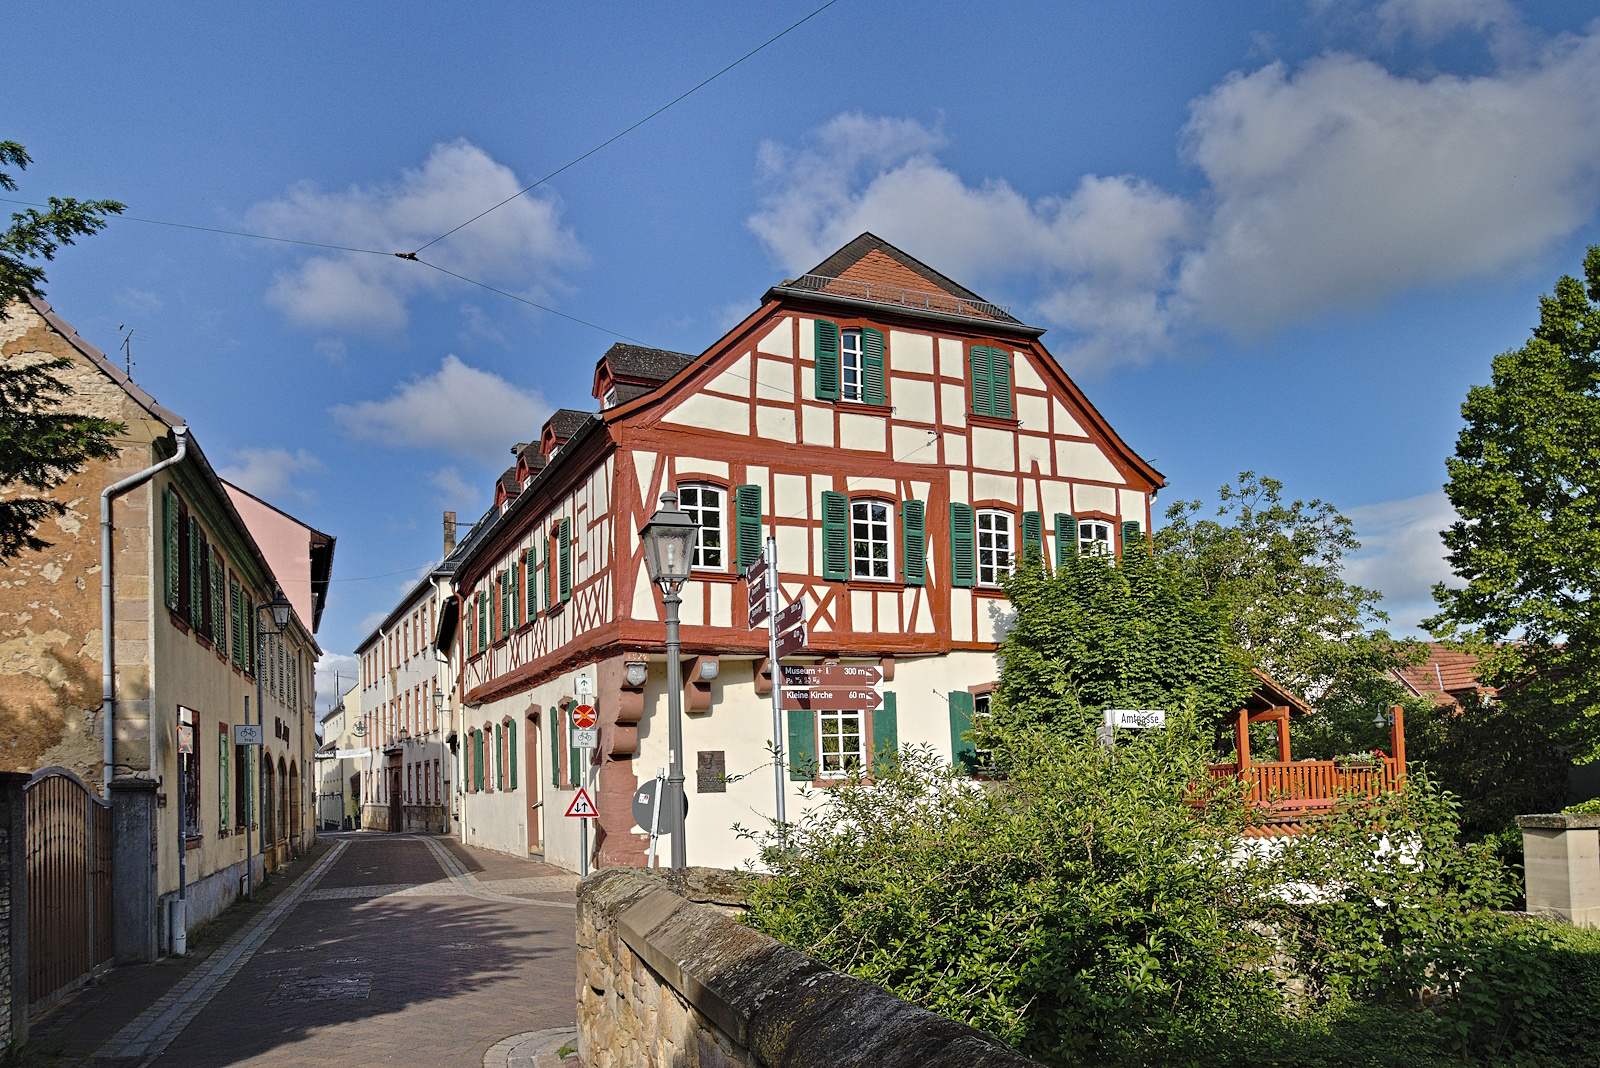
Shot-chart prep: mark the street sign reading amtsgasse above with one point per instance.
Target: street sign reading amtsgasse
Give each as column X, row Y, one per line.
column 1137, row 718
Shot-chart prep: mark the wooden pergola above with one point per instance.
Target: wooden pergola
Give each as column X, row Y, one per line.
column 1290, row 791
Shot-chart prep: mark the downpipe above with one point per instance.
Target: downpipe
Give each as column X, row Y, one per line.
column 108, row 700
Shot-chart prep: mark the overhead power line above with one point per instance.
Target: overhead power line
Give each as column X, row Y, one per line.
column 217, row 230
column 675, row 100
column 525, row 300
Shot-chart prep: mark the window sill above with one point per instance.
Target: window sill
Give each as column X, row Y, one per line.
column 714, row 576
column 990, row 591
column 998, row 422
column 886, row 585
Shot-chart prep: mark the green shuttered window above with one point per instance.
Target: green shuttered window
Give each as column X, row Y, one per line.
column 802, row 745
column 516, row 595
column 990, row 372
column 169, row 527
column 197, row 552
column 552, row 727
column 533, row 581
column 483, row 621
column 827, row 369
column 219, row 602
column 564, row 541
column 511, row 750
column 236, row 605
column 505, row 603
column 1033, row 536
column 747, row 524
column 1131, row 535
column 963, row 547
column 914, row 543
column 964, row 755
column 835, row 536
column 871, row 366
column 251, row 653
column 477, row 760
column 886, row 731
column 1066, row 538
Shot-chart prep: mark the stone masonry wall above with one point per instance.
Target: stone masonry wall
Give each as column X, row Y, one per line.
column 664, row 981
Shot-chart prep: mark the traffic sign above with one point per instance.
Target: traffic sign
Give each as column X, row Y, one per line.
column 582, row 808
column 247, row 734
column 585, row 738
column 583, row 717
column 759, row 613
column 1137, row 718
column 583, row 686
column 791, row 615
column 644, row 799
column 804, row 676
column 756, row 570
column 833, row 698
column 791, row 641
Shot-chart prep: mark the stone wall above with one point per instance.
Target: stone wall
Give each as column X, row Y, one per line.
column 665, row 980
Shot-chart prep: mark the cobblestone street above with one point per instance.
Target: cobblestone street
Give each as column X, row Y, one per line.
column 390, row 949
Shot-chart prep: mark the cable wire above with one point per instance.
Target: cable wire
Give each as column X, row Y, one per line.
column 217, row 230
column 525, row 300
column 681, row 96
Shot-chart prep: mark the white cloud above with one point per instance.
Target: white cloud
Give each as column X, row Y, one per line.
column 522, row 246
column 1330, row 186
column 1433, row 20
column 1402, row 554
column 267, row 473
column 458, row 409
column 455, row 490
column 335, row 667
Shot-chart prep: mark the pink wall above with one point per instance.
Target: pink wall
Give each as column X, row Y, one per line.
column 286, row 543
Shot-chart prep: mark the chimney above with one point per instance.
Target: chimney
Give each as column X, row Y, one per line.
column 449, row 533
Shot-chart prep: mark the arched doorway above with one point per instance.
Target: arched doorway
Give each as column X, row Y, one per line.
column 282, row 827
column 397, row 812
column 293, row 797
column 269, row 811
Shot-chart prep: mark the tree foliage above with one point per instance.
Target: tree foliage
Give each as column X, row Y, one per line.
column 1098, row 632
column 40, row 442
column 1525, row 481
column 1276, row 568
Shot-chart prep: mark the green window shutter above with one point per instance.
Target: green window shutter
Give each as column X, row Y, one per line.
column 533, row 581
column 747, row 524
column 982, row 392
column 963, row 546
column 477, row 760
column 250, row 658
column 170, row 535
column 914, row 543
column 871, row 366
column 236, row 608
column 802, row 745
column 886, row 731
column 219, row 601
column 565, row 536
column 505, row 603
column 1000, row 382
column 963, row 754
column 499, row 764
column 483, row 620
column 552, row 727
column 222, row 777
column 516, row 595
column 511, row 752
column 835, row 536
column 1130, row 535
column 1032, row 536
column 197, row 608
column 827, row 369
column 1066, row 538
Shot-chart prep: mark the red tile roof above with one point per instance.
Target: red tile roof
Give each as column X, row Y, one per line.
column 1446, row 674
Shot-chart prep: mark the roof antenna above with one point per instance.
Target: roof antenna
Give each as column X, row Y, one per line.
column 127, row 351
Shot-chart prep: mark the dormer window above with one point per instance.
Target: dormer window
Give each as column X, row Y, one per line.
column 610, row 399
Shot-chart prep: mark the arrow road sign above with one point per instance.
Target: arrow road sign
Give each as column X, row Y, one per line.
column 791, row 615
column 756, row 570
column 583, row 717
column 758, row 606
column 790, row 642
column 582, row 808
column 833, row 698
column 804, row 676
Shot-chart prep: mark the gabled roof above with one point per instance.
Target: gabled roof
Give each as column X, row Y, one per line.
column 508, row 481
column 871, row 269
column 636, row 361
column 1445, row 675
column 565, row 422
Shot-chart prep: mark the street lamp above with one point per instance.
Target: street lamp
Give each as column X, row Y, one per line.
column 669, row 540
column 438, row 706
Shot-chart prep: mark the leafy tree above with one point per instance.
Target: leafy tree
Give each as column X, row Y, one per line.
column 1131, row 632
column 40, row 444
column 1276, row 568
column 1525, row 481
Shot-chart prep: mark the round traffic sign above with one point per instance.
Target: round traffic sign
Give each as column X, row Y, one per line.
column 583, row 717
column 644, row 800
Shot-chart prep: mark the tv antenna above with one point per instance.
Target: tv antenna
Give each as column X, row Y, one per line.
column 127, row 348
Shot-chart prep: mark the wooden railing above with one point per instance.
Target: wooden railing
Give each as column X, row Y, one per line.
column 1300, row 787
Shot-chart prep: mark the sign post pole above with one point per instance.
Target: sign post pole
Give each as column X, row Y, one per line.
column 655, row 816
column 778, row 769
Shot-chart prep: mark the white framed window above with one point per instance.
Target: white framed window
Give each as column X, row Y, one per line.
column 871, row 555
column 994, row 546
column 610, row 400
column 842, row 751
column 706, row 505
column 1094, row 537
column 981, row 708
column 850, row 365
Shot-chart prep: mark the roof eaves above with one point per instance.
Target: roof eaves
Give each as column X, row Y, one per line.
column 971, row 322
column 98, row 358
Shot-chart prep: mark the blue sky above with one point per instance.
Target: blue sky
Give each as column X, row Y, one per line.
column 1274, row 236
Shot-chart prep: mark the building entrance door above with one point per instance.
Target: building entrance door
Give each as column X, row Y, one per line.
column 397, row 818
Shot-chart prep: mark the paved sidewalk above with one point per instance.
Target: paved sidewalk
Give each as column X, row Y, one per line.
column 393, row 950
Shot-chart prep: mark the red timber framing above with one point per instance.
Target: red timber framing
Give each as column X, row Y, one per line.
column 746, row 413
column 1292, row 793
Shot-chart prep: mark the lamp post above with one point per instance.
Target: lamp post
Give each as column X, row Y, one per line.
column 669, row 540
column 277, row 621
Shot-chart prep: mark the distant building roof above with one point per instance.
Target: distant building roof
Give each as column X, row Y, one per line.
column 636, row 361
column 1444, row 676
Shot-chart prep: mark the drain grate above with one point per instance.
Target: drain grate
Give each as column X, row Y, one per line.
column 346, row 986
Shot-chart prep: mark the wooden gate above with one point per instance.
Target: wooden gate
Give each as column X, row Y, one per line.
column 69, row 882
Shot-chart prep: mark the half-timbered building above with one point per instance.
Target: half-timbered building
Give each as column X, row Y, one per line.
column 903, row 441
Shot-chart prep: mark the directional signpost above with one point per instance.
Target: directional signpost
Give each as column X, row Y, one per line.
column 807, row 675
column 833, row 698
column 760, row 594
